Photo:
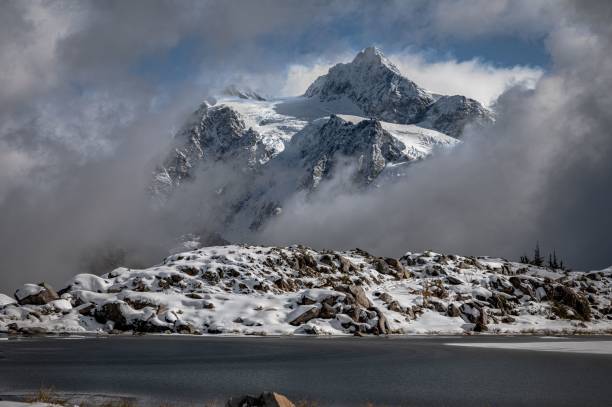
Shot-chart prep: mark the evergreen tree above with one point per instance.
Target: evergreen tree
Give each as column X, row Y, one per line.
column 537, row 258
column 550, row 261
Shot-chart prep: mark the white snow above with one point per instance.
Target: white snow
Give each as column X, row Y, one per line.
column 6, row 300
column 28, row 289
column 419, row 141
column 236, row 290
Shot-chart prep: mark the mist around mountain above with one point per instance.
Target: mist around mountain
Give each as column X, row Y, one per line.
column 362, row 124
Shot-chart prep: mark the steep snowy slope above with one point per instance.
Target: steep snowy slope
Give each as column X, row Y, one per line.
column 251, row 290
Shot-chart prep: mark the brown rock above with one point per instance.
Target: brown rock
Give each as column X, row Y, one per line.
column 305, row 316
column 44, row 296
column 327, row 312
column 453, row 311
column 360, row 296
column 266, row 399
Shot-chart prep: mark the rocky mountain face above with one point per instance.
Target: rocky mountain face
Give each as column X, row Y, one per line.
column 235, row 91
column 450, row 115
column 277, row 154
column 215, row 134
column 252, row 290
column 376, row 86
column 379, row 89
column 365, row 142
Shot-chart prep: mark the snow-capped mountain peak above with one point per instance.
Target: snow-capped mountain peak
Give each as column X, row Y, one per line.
column 373, row 83
column 364, row 114
column 378, row 88
column 374, row 56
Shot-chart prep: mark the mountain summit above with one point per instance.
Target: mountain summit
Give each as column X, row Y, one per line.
column 373, row 83
column 363, row 121
column 377, row 87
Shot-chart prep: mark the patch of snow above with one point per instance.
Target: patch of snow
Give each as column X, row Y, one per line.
column 6, row 300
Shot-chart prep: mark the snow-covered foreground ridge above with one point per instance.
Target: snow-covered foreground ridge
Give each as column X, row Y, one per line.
column 252, row 290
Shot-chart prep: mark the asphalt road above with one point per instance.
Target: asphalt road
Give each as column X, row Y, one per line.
column 413, row 371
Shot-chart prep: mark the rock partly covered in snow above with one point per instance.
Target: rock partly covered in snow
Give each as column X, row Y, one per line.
column 451, row 114
column 366, row 142
column 35, row 294
column 251, row 290
column 242, row 93
column 376, row 85
column 215, row 134
column 266, row 399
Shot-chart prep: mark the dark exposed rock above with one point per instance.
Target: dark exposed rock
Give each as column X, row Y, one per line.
column 306, row 316
column 383, row 325
column 327, row 312
column 579, row 303
column 112, row 311
column 358, row 293
column 44, row 296
column 453, row 280
column 266, row 399
column 453, row 311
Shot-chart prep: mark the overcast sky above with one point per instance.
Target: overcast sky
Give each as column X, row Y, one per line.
column 93, row 91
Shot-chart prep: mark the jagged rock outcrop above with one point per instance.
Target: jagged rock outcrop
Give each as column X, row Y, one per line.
column 215, row 135
column 254, row 290
column 242, row 93
column 366, row 143
column 378, row 88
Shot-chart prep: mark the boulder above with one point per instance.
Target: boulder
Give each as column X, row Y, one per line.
column 35, row 294
column 395, row 264
column 113, row 311
column 453, row 280
column 453, row 311
column 345, row 264
column 395, row 306
column 383, row 325
column 360, row 296
column 266, row 399
column 569, row 297
column 386, row 297
column 382, row 267
column 303, row 313
column 327, row 311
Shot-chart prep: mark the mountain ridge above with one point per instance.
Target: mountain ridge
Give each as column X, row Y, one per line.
column 363, row 114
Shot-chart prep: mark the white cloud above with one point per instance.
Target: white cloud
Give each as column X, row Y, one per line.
column 473, row 78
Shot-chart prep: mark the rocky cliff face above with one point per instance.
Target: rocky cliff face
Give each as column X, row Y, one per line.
column 379, row 89
column 273, row 155
column 214, row 134
column 364, row 143
column 376, row 86
column 252, row 290
column 451, row 114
